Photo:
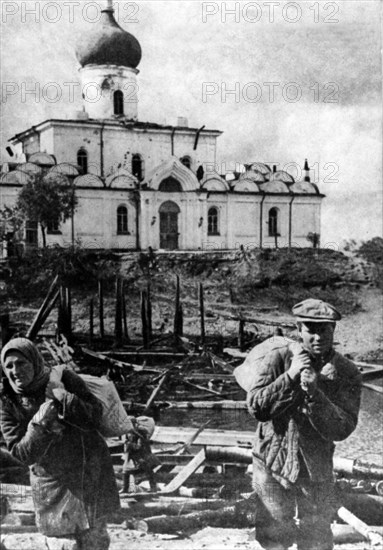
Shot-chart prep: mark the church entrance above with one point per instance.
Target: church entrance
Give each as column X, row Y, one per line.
column 169, row 225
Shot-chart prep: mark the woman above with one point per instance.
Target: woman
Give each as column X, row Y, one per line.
column 51, row 425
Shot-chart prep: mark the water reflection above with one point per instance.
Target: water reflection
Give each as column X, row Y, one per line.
column 365, row 443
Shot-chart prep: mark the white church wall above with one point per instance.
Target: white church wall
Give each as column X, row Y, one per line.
column 216, row 242
column 282, row 204
column 120, row 144
column 99, row 82
column 47, row 144
column 243, row 221
column 305, row 219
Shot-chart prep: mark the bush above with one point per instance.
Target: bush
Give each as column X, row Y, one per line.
column 76, row 267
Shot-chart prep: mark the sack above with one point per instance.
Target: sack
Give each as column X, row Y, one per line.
column 59, row 512
column 245, row 373
column 114, row 421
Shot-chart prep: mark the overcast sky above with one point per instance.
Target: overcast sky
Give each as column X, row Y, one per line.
column 306, row 77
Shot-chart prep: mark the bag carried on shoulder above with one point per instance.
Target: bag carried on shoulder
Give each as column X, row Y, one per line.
column 245, row 373
column 114, row 421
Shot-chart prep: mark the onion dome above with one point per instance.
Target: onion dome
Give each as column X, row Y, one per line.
column 260, row 167
column 305, row 187
column 252, row 175
column 108, row 44
column 246, row 185
column 281, row 175
column 275, row 186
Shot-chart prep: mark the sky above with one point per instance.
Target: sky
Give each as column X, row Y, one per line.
column 283, row 80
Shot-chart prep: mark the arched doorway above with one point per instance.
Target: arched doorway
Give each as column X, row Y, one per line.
column 169, row 225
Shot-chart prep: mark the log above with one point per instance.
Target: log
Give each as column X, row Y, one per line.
column 374, row 538
column 174, row 508
column 235, row 515
column 345, row 534
column 368, row 508
column 358, row 468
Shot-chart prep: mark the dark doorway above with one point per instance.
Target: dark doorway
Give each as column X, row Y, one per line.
column 169, row 225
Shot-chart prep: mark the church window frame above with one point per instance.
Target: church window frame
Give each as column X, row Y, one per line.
column 82, row 160
column 118, row 103
column 138, row 166
column 213, row 221
column 122, row 220
column 186, row 161
column 274, row 222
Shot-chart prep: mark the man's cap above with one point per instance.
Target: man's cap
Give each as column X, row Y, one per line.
column 316, row 311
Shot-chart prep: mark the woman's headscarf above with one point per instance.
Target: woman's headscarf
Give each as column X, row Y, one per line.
column 32, row 354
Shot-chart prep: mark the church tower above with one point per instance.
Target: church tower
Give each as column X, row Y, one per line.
column 109, row 56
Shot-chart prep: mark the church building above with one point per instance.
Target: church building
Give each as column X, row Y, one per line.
column 141, row 184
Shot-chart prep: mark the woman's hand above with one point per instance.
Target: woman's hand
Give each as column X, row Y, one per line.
column 55, row 390
column 47, row 418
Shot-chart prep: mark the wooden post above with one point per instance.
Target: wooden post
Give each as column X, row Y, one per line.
column 177, row 309
column 126, row 335
column 149, row 312
column 91, row 307
column 68, row 300
column 144, row 320
column 4, row 325
column 202, row 312
column 180, row 321
column 118, row 314
column 241, row 334
column 101, row 306
column 61, row 312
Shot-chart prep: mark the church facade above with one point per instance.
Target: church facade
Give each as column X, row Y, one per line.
column 142, row 184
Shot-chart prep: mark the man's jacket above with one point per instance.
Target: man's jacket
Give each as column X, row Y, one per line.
column 295, row 430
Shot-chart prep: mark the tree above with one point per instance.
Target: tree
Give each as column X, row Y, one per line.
column 314, row 238
column 47, row 199
column 11, row 222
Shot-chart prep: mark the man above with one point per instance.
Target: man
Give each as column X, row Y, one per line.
column 305, row 396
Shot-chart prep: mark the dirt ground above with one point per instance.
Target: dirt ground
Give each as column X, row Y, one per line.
column 207, row 539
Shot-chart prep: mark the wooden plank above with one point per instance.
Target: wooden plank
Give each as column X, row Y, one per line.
column 186, row 472
column 215, row 405
column 225, row 438
column 374, row 387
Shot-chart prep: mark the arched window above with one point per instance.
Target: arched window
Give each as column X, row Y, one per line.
column 273, row 222
column 118, row 101
column 138, row 167
column 82, row 160
column 186, row 161
column 212, row 221
column 122, row 220
column 170, row 185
